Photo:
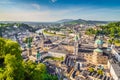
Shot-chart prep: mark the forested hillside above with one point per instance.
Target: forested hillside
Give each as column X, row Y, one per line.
column 112, row 30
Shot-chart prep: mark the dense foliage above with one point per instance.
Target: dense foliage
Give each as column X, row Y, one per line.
column 12, row 67
column 91, row 69
column 112, row 30
column 100, row 72
column 55, row 58
column 55, row 29
column 91, row 31
column 81, row 21
column 52, row 33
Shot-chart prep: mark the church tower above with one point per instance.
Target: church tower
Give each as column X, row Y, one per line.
column 29, row 47
column 76, row 44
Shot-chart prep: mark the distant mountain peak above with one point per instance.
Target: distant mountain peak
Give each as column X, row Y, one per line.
column 82, row 21
column 65, row 20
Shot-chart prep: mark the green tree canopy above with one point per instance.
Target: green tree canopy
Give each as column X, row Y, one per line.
column 9, row 47
column 14, row 68
column 35, row 71
column 100, row 72
column 91, row 69
column 111, row 30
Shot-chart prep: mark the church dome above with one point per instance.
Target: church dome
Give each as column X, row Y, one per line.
column 108, row 49
column 98, row 50
column 98, row 41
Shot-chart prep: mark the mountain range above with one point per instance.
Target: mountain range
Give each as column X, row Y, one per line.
column 65, row 21
column 81, row 21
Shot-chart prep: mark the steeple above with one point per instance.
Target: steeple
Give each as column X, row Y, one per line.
column 29, row 46
column 98, row 43
column 76, row 44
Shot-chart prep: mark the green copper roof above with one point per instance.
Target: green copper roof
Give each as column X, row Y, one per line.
column 29, row 43
column 108, row 49
column 76, row 37
column 98, row 50
column 98, row 41
column 38, row 54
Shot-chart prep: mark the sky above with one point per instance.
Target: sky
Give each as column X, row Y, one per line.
column 54, row 10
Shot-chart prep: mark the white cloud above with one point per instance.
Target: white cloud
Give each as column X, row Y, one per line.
column 53, row 1
column 22, row 15
column 42, row 16
column 37, row 6
column 49, row 15
column 6, row 2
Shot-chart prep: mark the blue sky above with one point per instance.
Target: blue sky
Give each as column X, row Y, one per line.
column 53, row 10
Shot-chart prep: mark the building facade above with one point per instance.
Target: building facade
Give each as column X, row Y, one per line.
column 96, row 57
column 114, row 68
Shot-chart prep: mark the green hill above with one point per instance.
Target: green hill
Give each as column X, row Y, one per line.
column 81, row 21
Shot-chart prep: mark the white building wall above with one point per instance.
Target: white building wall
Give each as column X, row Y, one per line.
column 54, row 54
column 109, row 65
column 112, row 72
column 43, row 56
column 115, row 52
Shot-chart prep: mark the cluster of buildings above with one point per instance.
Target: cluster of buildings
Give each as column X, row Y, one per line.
column 79, row 53
column 78, row 56
column 114, row 63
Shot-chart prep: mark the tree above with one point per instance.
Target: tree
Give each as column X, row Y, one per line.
column 111, row 30
column 1, row 76
column 29, row 66
column 2, row 47
column 35, row 71
column 10, row 58
column 14, row 69
column 13, row 48
column 39, row 72
column 100, row 72
column 91, row 31
column 91, row 69
column 110, row 41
